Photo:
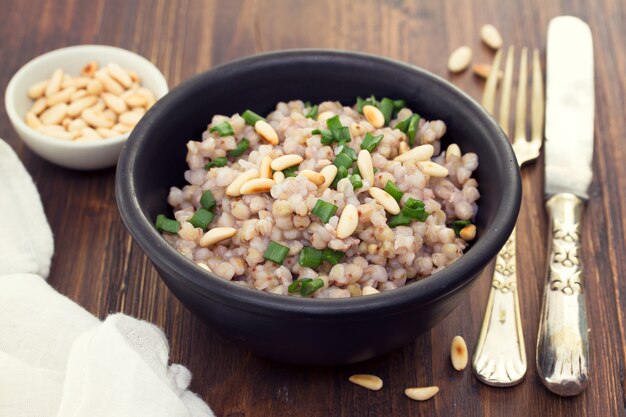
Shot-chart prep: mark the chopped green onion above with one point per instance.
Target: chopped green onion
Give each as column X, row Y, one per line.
column 403, row 125
column 207, row 201
column 415, row 209
column 356, row 181
column 348, row 151
column 459, row 225
column 355, row 171
column 343, row 160
column 327, row 136
column 399, row 220
column 163, row 224
column 251, row 117
column 310, row 287
column 291, row 171
column 324, row 210
column 296, row 286
column 307, row 104
column 412, row 129
column 399, row 105
column 386, row 108
column 201, row 218
column 312, row 114
column 310, row 257
column 342, row 135
column 393, row 191
column 241, row 148
column 370, row 142
column 276, row 252
column 217, row 162
column 342, row 172
column 360, row 103
column 332, row 256
column 334, row 123
column 223, row 129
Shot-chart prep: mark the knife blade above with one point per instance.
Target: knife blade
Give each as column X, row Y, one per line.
column 562, row 343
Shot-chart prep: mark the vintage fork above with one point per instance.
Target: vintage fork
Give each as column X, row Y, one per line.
column 500, row 356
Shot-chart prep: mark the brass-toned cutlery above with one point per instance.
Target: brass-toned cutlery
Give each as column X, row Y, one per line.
column 500, row 357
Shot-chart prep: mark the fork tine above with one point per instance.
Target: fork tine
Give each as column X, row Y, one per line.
column 507, row 85
column 489, row 95
column 536, row 118
column 520, row 105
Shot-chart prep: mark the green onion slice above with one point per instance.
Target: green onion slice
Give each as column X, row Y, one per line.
column 207, row 201
column 310, row 287
column 348, row 151
column 327, row 136
column 415, row 209
column 399, row 220
column 342, row 172
column 403, row 125
column 334, row 123
column 370, row 142
column 386, row 108
column 312, row 114
column 164, row 224
column 332, row 256
column 276, row 252
column 324, row 210
column 399, row 105
column 251, row 117
column 356, row 181
column 394, row 191
column 217, row 163
column 310, row 257
column 459, row 225
column 223, row 129
column 241, row 148
column 201, row 218
column 360, row 103
column 343, row 160
column 291, row 171
column 412, row 129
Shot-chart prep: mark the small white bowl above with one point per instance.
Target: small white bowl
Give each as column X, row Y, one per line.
column 83, row 155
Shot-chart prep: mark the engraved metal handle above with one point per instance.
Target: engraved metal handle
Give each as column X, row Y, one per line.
column 500, row 357
column 562, row 344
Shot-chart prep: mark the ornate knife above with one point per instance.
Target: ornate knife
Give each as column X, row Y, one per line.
column 562, row 345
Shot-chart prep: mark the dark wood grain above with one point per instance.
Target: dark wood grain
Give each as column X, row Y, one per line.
column 97, row 265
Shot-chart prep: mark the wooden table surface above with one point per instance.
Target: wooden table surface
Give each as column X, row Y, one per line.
column 97, row 264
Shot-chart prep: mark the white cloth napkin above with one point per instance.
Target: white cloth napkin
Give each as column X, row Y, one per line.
column 58, row 360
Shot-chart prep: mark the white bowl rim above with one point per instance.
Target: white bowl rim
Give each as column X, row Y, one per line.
column 18, row 120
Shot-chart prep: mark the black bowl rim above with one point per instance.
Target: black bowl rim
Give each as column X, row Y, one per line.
column 208, row 285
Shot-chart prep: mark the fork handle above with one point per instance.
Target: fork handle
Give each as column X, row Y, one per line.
column 562, row 344
column 500, row 358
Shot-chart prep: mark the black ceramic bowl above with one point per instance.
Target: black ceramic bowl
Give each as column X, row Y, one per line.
column 296, row 330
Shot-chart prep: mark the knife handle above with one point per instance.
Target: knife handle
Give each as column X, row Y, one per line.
column 562, row 343
column 500, row 358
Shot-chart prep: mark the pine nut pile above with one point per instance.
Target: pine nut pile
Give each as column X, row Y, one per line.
column 99, row 104
column 394, row 206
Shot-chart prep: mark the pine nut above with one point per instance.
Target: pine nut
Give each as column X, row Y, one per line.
column 422, row 393
column 490, row 35
column 367, row 290
column 66, row 122
column 62, row 96
column 76, row 125
column 122, row 128
column 119, row 74
column 54, row 85
column 286, row 161
column 95, row 87
column 80, row 82
column 468, row 232
column 36, row 90
column 234, row 188
column 366, row 166
column 147, row 94
column 89, row 69
column 458, row 353
column 432, row 169
column 460, row 59
column 371, row 382
column 110, row 114
column 107, row 133
column 90, row 133
column 96, row 118
column 315, row 177
column 136, row 100
column 323, row 116
column 348, row 221
column 133, row 75
column 99, row 105
column 78, row 94
column 266, row 131
column 61, row 134
column 217, row 235
column 278, row 177
column 329, row 172
column 39, row 106
column 419, row 153
column 130, row 118
column 109, row 83
column 54, row 114
column 50, row 128
column 75, row 108
column 114, row 103
column 453, row 152
column 32, row 120
column 403, row 148
column 257, row 185
column 385, row 199
column 265, row 170
column 374, row 116
column 204, row 266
